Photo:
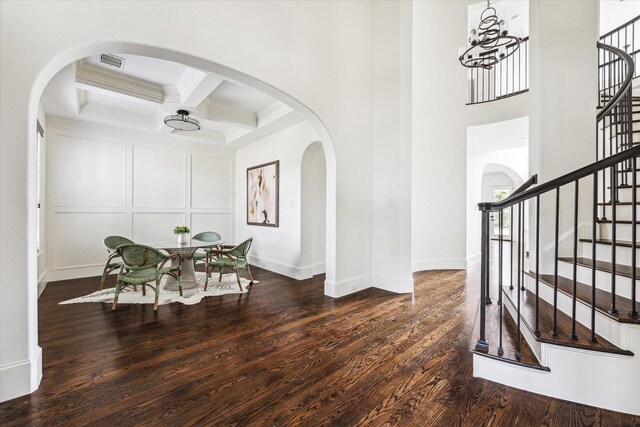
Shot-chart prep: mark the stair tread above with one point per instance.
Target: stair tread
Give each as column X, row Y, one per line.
column 621, row 269
column 623, row 243
column 509, row 339
column 583, row 294
column 564, row 325
column 618, row 203
column 618, row 221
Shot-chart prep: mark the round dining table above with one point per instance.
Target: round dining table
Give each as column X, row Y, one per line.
column 187, row 250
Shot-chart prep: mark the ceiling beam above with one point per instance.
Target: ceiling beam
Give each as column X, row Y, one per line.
column 227, row 115
column 97, row 79
column 195, row 86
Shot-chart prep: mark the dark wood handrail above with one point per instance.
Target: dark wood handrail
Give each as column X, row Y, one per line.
column 562, row 180
column 531, row 181
column 626, row 84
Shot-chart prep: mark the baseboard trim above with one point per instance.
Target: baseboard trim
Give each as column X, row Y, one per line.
column 440, row 264
column 21, row 378
column 345, row 287
column 474, row 259
column 298, row 273
column 393, row 284
column 42, row 283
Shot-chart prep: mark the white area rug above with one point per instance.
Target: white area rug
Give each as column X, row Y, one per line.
column 229, row 285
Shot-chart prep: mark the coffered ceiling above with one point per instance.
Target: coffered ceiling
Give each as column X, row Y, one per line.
column 145, row 90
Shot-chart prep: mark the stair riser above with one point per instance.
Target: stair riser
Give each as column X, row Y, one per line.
column 628, row 176
column 606, row 327
column 623, row 212
column 534, row 344
column 603, row 279
column 603, row 253
column 625, row 194
column 623, row 231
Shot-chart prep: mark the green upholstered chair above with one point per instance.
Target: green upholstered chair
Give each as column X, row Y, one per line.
column 234, row 258
column 114, row 261
column 143, row 264
column 205, row 236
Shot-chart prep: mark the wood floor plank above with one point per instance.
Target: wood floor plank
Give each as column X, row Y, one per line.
column 282, row 354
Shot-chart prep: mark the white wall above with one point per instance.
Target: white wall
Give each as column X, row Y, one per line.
column 614, row 13
column 391, row 121
column 105, row 181
column 439, row 135
column 314, row 209
column 562, row 122
column 279, row 248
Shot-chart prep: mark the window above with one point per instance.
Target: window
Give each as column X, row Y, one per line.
column 39, row 138
column 499, row 194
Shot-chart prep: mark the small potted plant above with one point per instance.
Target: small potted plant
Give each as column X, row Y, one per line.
column 182, row 231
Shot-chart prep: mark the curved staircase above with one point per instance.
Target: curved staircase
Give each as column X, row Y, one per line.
column 569, row 328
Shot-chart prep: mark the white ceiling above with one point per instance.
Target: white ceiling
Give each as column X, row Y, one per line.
column 139, row 96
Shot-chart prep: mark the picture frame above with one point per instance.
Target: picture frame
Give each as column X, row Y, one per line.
column 263, row 194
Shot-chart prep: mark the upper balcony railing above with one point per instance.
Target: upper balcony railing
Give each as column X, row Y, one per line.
column 626, row 38
column 507, row 78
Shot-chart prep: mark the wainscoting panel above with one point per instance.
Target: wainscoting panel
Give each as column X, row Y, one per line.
column 87, row 173
column 78, row 236
column 211, row 182
column 151, row 227
column 158, row 178
column 103, row 181
column 218, row 222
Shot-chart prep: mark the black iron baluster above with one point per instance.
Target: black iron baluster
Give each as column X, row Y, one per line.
column 520, row 220
column 500, row 241
column 614, row 189
column 481, row 344
column 487, row 244
column 512, row 238
column 537, row 329
column 575, row 262
column 593, row 259
column 633, row 312
column 554, row 331
column 524, row 253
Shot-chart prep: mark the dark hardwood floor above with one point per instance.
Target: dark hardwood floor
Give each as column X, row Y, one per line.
column 283, row 354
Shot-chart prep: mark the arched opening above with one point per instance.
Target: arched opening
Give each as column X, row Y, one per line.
column 313, row 224
column 68, row 57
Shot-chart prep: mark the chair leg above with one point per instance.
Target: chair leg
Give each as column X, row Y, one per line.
column 144, row 289
column 115, row 299
column 220, row 278
column 238, row 279
column 206, row 278
column 103, row 279
column 250, row 275
column 180, row 284
column 157, row 290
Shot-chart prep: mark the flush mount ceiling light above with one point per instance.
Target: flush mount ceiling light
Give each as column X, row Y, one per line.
column 182, row 121
column 490, row 43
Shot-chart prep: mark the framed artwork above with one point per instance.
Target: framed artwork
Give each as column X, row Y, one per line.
column 263, row 187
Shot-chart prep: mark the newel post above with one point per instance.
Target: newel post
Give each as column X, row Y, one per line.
column 482, row 345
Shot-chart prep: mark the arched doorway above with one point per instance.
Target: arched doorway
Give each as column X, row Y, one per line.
column 69, row 56
column 313, row 224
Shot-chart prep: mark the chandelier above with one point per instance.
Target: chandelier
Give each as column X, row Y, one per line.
column 182, row 121
column 490, row 43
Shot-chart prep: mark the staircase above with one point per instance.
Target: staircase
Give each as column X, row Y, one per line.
column 569, row 327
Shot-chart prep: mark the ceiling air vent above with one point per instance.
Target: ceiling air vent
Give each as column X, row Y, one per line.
column 114, row 61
